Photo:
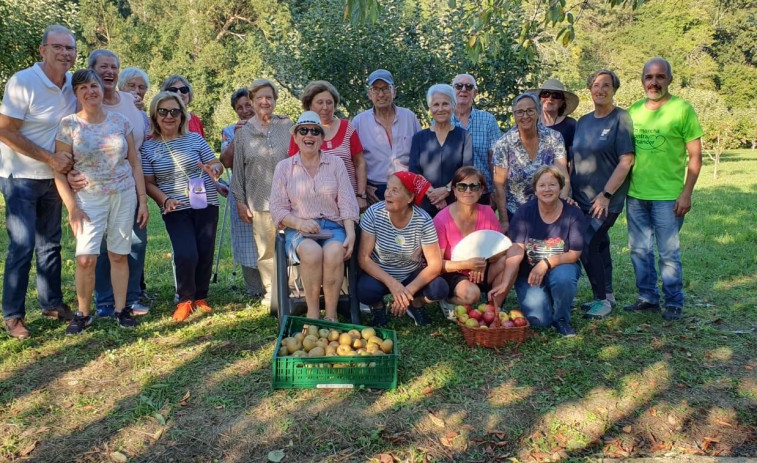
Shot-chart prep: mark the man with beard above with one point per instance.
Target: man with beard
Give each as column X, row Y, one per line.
column 666, row 129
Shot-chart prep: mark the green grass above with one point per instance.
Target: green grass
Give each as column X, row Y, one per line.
column 630, row 385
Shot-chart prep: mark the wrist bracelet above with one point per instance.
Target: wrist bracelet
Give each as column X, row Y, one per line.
column 165, row 201
column 546, row 261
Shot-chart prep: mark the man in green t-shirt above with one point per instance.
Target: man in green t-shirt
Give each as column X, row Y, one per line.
column 666, row 129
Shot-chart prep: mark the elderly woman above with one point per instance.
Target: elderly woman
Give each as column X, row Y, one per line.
column 313, row 200
column 550, row 233
column 259, row 145
column 180, row 174
column 340, row 137
column 556, row 105
column 135, row 81
column 180, row 85
column 399, row 252
column 106, row 64
column 520, row 153
column 242, row 242
column 102, row 145
column 603, row 153
column 437, row 152
column 467, row 278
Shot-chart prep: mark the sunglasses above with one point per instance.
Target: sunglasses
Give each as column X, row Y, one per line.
column 183, row 90
column 474, row 187
column 315, row 131
column 174, row 112
column 554, row 95
column 468, row 87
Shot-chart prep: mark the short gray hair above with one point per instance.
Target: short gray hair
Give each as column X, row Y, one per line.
column 129, row 73
column 442, row 89
column 97, row 54
column 173, row 80
column 533, row 98
column 658, row 60
column 56, row 29
column 257, row 84
column 604, row 72
column 473, row 79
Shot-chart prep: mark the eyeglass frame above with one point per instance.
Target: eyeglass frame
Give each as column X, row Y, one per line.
column 382, row 90
column 314, row 131
column 459, row 86
column 554, row 94
column 461, row 187
column 522, row 112
column 174, row 112
column 183, row 90
column 57, row 47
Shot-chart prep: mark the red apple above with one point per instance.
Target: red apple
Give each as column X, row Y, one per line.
column 475, row 314
column 491, row 308
column 489, row 316
column 520, row 321
column 515, row 314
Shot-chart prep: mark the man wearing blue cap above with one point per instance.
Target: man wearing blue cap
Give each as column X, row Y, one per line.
column 386, row 132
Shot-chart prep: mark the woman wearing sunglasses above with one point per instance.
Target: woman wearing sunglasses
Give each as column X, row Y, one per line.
column 467, row 278
column 258, row 146
column 437, row 152
column 180, row 85
column 556, row 105
column 313, row 200
column 180, row 173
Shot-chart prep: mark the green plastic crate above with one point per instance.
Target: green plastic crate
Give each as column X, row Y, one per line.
column 374, row 371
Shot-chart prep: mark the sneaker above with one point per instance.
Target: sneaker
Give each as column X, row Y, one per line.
column 588, row 305
column 563, row 327
column 125, row 319
column 144, row 298
column 448, row 309
column 641, row 305
column 139, row 309
column 183, row 309
column 600, row 309
column 17, row 328
column 672, row 313
column 79, row 323
column 202, row 306
column 106, row 310
column 379, row 314
column 62, row 312
column 417, row 316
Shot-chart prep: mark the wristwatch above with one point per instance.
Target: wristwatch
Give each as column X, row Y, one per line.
column 361, row 195
column 607, row 194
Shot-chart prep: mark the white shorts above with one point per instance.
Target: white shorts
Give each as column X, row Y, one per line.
column 108, row 213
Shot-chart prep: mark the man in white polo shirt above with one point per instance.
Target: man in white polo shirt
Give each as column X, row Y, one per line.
column 35, row 101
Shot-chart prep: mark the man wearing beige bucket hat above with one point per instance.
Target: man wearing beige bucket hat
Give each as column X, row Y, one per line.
column 556, row 105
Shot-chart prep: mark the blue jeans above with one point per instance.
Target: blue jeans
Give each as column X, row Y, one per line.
column 370, row 290
column 650, row 222
column 552, row 299
column 32, row 217
column 103, row 288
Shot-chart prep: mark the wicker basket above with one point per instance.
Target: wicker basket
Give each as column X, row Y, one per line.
column 493, row 337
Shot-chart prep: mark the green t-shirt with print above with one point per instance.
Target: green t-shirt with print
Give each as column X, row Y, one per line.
column 660, row 138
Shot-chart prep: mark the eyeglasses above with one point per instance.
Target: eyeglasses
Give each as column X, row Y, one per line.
column 523, row 112
column 183, row 90
column 381, row 90
column 174, row 112
column 555, row 95
column 474, row 187
column 468, row 87
column 59, row 48
column 315, row 131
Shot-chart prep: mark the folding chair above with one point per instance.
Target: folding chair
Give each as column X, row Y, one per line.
column 284, row 300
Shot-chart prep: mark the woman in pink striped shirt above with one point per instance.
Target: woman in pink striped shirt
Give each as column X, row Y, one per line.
column 313, row 200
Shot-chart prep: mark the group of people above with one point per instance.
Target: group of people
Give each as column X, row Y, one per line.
column 554, row 185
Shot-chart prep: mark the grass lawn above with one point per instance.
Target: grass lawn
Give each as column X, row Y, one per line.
column 199, row 391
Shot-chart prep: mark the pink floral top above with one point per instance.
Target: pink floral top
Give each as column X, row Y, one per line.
column 100, row 151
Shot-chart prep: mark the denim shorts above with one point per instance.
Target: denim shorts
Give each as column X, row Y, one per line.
column 293, row 237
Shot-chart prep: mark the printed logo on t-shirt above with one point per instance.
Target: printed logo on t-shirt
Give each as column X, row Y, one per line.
column 604, row 134
column 537, row 250
column 649, row 139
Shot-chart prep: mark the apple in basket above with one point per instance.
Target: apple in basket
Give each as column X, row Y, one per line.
column 471, row 323
column 520, row 321
column 503, row 315
column 460, row 310
column 516, row 314
column 508, row 324
column 463, row 318
column 475, row 315
column 489, row 316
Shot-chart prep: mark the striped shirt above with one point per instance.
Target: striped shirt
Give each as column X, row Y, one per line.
column 160, row 159
column 328, row 195
column 398, row 251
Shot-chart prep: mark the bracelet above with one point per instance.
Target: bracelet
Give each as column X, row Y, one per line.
column 546, row 261
column 164, row 202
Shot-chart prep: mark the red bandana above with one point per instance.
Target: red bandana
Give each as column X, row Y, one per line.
column 415, row 184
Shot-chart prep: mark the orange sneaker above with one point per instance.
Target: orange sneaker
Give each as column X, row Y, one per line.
column 200, row 304
column 183, row 309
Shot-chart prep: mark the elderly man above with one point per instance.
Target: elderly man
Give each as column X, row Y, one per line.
column 386, row 132
column 35, row 101
column 480, row 124
column 666, row 129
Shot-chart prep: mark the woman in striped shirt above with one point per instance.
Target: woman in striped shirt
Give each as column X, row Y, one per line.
column 180, row 174
column 313, row 200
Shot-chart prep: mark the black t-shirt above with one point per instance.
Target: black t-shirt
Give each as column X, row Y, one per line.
column 567, row 128
column 544, row 240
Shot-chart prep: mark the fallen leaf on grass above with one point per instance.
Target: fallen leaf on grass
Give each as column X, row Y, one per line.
column 436, row 334
column 653, row 412
column 724, row 423
column 496, row 432
column 119, row 457
column 386, row 458
column 627, row 429
column 275, row 456
column 28, row 449
column 447, row 442
column 159, row 418
column 435, row 419
column 748, row 367
column 157, row 435
column 185, row 400
column 428, row 390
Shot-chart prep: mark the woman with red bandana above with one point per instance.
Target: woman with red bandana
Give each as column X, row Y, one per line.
column 399, row 252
